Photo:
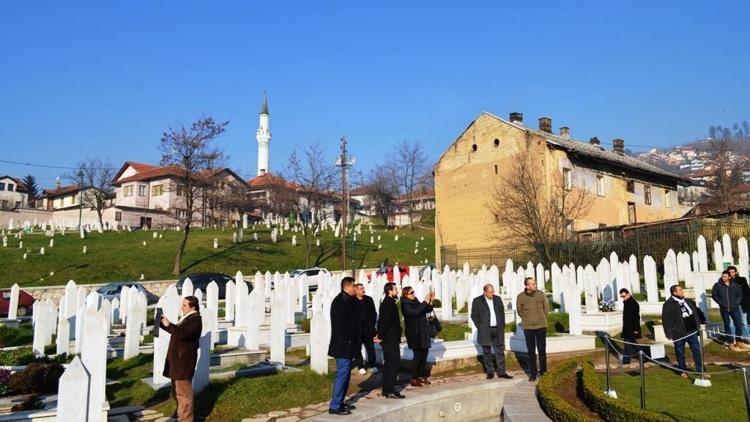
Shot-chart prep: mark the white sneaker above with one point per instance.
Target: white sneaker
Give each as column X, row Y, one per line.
column 374, row 370
column 362, row 371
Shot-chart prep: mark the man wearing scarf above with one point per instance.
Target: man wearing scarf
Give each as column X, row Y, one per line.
column 681, row 323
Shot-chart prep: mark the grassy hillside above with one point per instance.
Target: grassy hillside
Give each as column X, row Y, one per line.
column 113, row 256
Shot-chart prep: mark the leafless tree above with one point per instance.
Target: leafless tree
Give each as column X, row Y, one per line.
column 94, row 177
column 314, row 178
column 726, row 176
column 409, row 163
column 382, row 189
column 191, row 151
column 530, row 208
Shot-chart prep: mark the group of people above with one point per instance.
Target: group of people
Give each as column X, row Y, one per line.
column 354, row 324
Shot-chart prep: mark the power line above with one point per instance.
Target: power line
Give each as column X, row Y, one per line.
column 38, row 165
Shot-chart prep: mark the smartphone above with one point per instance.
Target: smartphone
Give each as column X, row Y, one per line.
column 157, row 321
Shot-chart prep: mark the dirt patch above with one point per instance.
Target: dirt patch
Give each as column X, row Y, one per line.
column 569, row 391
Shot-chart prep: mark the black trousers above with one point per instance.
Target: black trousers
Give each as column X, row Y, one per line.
column 391, row 365
column 370, row 351
column 536, row 340
column 494, row 362
column 419, row 363
column 628, row 350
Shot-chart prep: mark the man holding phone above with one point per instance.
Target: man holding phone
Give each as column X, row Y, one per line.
column 182, row 355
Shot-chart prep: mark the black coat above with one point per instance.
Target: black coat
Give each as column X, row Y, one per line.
column 346, row 327
column 182, row 353
column 631, row 319
column 415, row 320
column 480, row 315
column 389, row 324
column 368, row 316
column 742, row 282
column 671, row 318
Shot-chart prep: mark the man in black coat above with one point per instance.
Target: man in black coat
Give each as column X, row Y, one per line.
column 631, row 324
column 681, row 322
column 389, row 337
column 417, row 333
column 182, row 355
column 745, row 288
column 488, row 315
column 368, row 317
column 346, row 340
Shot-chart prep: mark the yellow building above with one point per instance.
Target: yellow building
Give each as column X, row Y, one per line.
column 623, row 190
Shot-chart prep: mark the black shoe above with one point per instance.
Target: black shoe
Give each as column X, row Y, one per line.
column 349, row 406
column 505, row 375
column 395, row 396
column 340, row 411
column 490, row 376
column 532, row 378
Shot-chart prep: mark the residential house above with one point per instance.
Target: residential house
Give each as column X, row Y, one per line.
column 13, row 193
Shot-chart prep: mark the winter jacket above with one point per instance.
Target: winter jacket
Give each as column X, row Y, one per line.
column 389, row 324
column 728, row 296
column 671, row 318
column 346, row 327
column 533, row 309
column 415, row 320
column 631, row 319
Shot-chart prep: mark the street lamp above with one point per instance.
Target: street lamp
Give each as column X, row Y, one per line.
column 80, row 198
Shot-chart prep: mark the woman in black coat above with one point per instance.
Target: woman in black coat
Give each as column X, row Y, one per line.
column 631, row 324
column 417, row 333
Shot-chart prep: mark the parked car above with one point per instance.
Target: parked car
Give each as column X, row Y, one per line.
column 25, row 303
column 112, row 290
column 202, row 280
column 428, row 267
column 313, row 276
column 388, row 271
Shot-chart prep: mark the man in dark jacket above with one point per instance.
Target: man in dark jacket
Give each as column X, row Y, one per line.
column 729, row 297
column 745, row 289
column 417, row 333
column 182, row 354
column 488, row 315
column 389, row 337
column 631, row 324
column 346, row 341
column 368, row 317
column 679, row 317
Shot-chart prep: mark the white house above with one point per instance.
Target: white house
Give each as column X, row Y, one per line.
column 13, row 193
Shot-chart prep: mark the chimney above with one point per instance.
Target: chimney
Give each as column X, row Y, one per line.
column 594, row 141
column 565, row 132
column 618, row 145
column 516, row 117
column 545, row 124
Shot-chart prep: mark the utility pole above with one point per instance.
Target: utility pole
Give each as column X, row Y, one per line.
column 80, row 199
column 344, row 162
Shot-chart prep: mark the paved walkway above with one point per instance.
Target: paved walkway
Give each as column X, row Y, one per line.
column 521, row 404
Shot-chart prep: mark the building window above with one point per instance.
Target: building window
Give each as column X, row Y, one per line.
column 569, row 229
column 495, row 168
column 567, row 179
column 142, row 189
column 180, row 190
column 602, row 225
column 667, row 198
column 11, row 187
column 474, row 148
column 600, row 185
column 647, row 194
column 2, row 186
column 630, row 187
column 497, row 142
column 118, row 215
column 631, row 213
column 127, row 191
column 157, row 190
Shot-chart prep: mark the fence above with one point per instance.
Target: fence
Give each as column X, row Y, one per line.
column 589, row 247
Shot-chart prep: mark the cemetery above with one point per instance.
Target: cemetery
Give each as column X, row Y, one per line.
column 263, row 349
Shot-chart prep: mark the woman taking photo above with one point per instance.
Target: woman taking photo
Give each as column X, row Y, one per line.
column 417, row 333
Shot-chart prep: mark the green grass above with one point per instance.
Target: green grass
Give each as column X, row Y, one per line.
column 113, row 256
column 557, row 323
column 21, row 336
column 130, row 390
column 453, row 332
column 668, row 393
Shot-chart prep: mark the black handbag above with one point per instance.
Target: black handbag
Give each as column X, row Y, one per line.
column 434, row 325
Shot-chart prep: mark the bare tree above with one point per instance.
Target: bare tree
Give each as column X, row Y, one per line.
column 314, row 178
column 96, row 184
column 528, row 207
column 408, row 166
column 726, row 175
column 191, row 151
column 382, row 189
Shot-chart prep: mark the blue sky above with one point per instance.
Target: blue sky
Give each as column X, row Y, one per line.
column 106, row 78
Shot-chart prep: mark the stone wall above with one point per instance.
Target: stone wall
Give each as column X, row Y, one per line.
column 56, row 292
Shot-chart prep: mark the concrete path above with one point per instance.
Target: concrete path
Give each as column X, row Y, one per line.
column 521, row 405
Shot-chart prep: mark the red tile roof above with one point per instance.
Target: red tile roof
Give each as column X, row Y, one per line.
column 62, row 190
column 267, row 180
column 138, row 167
column 20, row 186
column 151, row 173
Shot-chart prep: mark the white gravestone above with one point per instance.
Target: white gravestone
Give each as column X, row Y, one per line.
column 73, row 391
column 13, row 307
column 94, row 358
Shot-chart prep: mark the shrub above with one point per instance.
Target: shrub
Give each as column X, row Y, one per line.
column 609, row 408
column 37, row 378
column 16, row 357
column 4, row 379
column 555, row 406
column 31, row 403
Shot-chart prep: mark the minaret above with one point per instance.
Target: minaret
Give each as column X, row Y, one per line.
column 264, row 138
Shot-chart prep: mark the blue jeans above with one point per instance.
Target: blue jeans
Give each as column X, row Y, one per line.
column 340, row 383
column 695, row 349
column 736, row 318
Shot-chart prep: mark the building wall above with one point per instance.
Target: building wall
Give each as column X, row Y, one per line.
column 465, row 179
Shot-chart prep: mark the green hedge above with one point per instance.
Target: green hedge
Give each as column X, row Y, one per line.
column 609, row 408
column 555, row 406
